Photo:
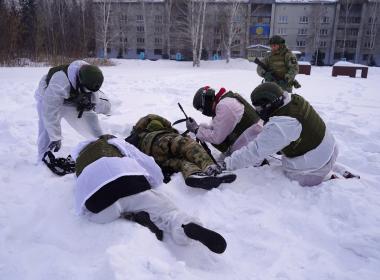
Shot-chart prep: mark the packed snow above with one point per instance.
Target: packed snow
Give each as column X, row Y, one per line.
column 275, row 229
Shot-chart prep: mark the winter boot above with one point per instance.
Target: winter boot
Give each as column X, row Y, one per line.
column 208, row 182
column 211, row 239
column 143, row 219
column 349, row 175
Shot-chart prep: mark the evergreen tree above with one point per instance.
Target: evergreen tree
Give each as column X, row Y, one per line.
column 28, row 22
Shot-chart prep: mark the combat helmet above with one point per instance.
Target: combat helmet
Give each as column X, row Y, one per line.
column 203, row 100
column 90, row 78
column 276, row 40
column 266, row 98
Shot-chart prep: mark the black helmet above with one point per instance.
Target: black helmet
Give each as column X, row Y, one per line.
column 266, row 98
column 90, row 77
column 276, row 40
column 204, row 100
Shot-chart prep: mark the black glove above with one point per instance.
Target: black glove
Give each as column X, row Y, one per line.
column 84, row 103
column 192, row 125
column 55, row 145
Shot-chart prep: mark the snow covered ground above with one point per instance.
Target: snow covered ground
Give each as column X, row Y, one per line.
column 275, row 229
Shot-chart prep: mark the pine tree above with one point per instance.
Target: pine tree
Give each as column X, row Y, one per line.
column 28, row 22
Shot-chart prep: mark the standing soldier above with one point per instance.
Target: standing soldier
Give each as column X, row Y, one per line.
column 154, row 136
column 280, row 65
column 70, row 92
column 234, row 123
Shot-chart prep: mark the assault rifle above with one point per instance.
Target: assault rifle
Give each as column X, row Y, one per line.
column 204, row 145
column 83, row 102
column 275, row 77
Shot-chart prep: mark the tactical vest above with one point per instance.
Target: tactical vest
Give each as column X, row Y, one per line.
column 73, row 92
column 94, row 151
column 276, row 63
column 249, row 118
column 313, row 127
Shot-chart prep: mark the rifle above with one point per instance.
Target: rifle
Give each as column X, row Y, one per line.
column 204, row 145
column 84, row 103
column 276, row 77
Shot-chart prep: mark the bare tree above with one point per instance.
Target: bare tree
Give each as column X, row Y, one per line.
column 230, row 27
column 317, row 14
column 372, row 27
column 168, row 25
column 347, row 5
column 197, row 13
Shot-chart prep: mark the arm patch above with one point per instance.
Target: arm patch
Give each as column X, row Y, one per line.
column 293, row 60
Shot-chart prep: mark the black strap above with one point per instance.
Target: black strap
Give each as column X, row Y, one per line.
column 143, row 219
column 59, row 166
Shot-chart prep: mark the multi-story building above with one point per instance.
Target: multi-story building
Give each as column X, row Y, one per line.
column 329, row 30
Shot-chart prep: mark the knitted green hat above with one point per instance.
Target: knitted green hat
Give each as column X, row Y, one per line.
column 276, row 40
column 265, row 93
column 91, row 77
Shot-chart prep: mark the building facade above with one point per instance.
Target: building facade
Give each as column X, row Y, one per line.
column 322, row 30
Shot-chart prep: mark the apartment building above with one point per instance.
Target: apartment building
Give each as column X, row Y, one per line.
column 330, row 30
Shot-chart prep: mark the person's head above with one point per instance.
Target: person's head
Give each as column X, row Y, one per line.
column 90, row 78
column 204, row 100
column 276, row 42
column 266, row 98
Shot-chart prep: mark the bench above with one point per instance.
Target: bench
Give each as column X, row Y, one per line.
column 349, row 70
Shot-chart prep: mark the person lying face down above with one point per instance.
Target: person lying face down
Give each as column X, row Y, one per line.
column 155, row 136
column 114, row 179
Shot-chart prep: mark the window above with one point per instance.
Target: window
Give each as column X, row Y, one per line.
column 301, row 43
column 323, row 32
column 323, row 44
column 216, row 30
column 369, row 44
column 281, row 31
column 123, row 19
column 283, row 19
column 372, row 20
column 158, row 29
column 140, row 40
column 353, row 31
column 216, row 41
column 140, row 28
column 158, row 19
column 304, row 19
column 302, row 31
column 351, row 44
column 325, row 20
column 236, row 42
column 139, row 18
column 157, row 51
column 237, row 18
column 235, row 53
column 237, row 30
column 138, row 51
column 157, row 41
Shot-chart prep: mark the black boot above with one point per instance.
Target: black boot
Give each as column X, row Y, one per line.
column 211, row 239
column 208, row 182
column 349, row 175
column 143, row 219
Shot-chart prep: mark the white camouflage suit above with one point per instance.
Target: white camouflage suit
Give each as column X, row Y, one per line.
column 163, row 213
column 51, row 108
column 308, row 169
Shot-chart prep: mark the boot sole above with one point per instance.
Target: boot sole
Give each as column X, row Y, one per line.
column 208, row 183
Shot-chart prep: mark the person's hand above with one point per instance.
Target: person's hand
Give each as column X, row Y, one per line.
column 192, row 125
column 55, row 145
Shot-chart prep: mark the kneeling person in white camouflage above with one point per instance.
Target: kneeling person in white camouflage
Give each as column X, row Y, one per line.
column 70, row 92
column 114, row 179
column 292, row 126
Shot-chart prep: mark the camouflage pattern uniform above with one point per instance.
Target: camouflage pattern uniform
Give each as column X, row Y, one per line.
column 170, row 150
column 282, row 63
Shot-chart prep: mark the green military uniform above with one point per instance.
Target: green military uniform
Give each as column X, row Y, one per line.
column 283, row 64
column 171, row 150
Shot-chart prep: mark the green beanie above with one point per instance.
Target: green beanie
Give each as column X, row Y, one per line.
column 276, row 40
column 91, row 77
column 265, row 93
column 155, row 125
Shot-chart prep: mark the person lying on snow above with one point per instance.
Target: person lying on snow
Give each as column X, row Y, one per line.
column 155, row 136
column 292, row 126
column 115, row 179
